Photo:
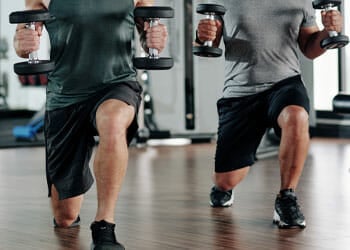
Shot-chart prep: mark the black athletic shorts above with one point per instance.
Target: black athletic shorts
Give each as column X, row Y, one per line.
column 69, row 135
column 243, row 122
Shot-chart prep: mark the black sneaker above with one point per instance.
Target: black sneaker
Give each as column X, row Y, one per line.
column 287, row 212
column 220, row 198
column 103, row 236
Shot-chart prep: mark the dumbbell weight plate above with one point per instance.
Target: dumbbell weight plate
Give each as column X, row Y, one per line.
column 25, row 68
column 322, row 4
column 154, row 12
column 29, row 16
column 335, row 42
column 205, row 51
column 162, row 63
column 204, row 9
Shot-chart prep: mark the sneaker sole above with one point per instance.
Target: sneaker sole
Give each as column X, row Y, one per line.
column 92, row 247
column 226, row 204
column 282, row 225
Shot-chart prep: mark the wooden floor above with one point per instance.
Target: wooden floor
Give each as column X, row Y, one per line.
column 164, row 203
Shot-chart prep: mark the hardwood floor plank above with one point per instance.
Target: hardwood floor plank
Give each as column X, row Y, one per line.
column 164, row 203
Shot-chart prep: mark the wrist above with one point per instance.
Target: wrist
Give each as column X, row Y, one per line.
column 143, row 40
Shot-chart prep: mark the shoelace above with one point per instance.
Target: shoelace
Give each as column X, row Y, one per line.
column 104, row 233
column 222, row 194
column 290, row 207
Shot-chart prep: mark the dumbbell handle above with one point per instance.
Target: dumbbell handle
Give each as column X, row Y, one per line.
column 211, row 17
column 331, row 33
column 33, row 56
column 153, row 53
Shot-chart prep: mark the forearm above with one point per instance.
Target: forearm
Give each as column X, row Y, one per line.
column 37, row 4
column 312, row 48
column 216, row 42
column 142, row 34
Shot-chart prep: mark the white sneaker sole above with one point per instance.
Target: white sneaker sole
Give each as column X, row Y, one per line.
column 226, row 204
column 281, row 224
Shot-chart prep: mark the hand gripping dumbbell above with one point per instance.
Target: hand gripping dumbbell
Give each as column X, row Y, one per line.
column 335, row 40
column 210, row 11
column 153, row 61
column 33, row 66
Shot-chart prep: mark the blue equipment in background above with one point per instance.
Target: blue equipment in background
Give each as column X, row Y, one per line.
column 29, row 132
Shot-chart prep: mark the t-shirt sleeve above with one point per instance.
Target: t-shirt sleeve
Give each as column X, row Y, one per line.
column 309, row 15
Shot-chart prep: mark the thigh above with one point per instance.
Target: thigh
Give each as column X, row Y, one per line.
column 288, row 92
column 242, row 123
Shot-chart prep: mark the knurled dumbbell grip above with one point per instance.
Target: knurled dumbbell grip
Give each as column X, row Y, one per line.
column 331, row 33
column 211, row 17
column 33, row 56
column 153, row 53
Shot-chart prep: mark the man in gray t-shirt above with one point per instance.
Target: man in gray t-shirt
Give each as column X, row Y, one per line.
column 263, row 88
column 261, row 43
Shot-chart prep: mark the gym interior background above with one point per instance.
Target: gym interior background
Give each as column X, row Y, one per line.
column 183, row 106
column 184, row 103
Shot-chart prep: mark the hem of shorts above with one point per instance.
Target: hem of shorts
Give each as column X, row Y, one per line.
column 240, row 166
column 62, row 195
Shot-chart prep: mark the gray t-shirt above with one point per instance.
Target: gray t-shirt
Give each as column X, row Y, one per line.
column 261, row 46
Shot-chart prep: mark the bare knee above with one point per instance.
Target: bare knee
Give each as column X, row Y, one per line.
column 66, row 211
column 229, row 180
column 65, row 214
column 224, row 184
column 294, row 119
column 66, row 219
column 113, row 118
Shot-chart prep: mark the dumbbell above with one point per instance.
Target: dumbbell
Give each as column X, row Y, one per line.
column 153, row 61
column 335, row 40
column 33, row 66
column 210, row 11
